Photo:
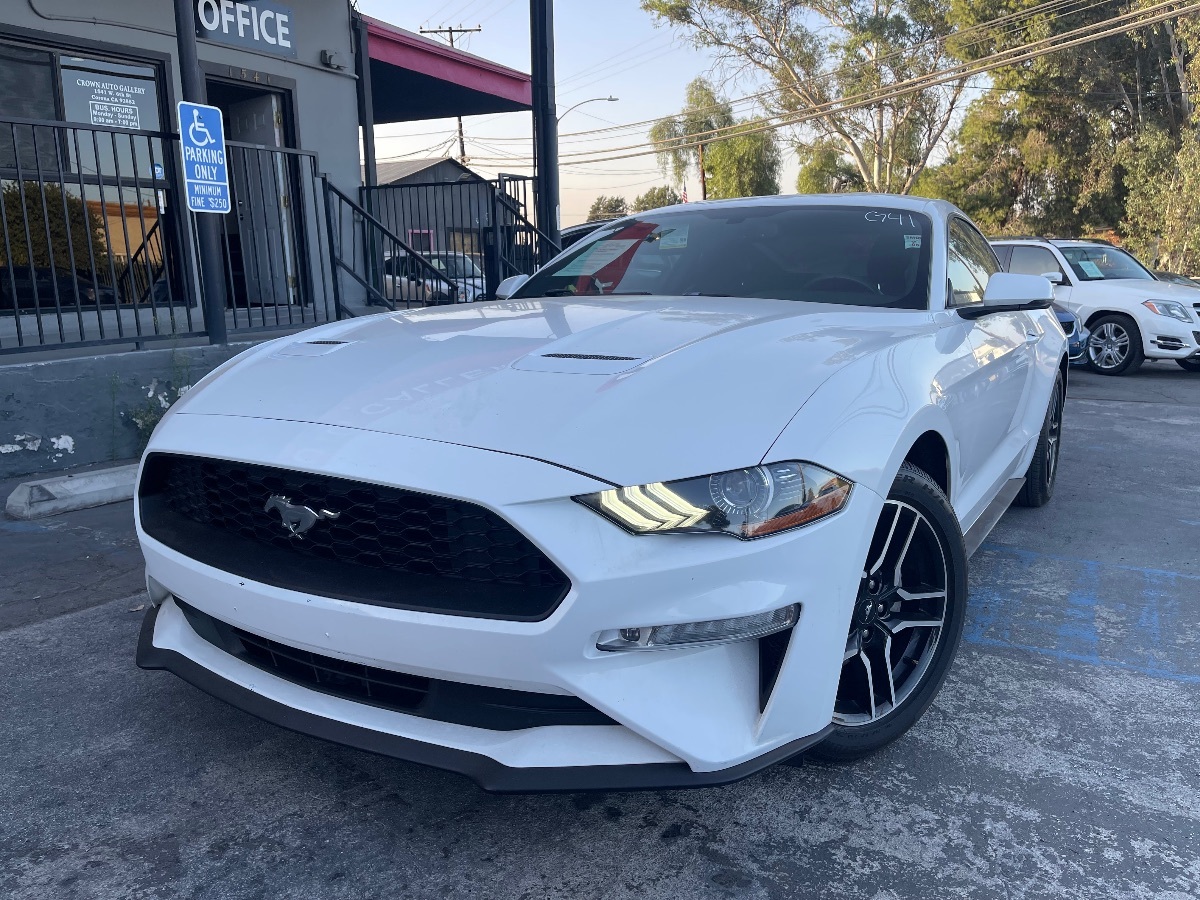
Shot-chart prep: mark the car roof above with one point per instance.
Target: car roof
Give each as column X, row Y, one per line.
column 1054, row 242
column 934, row 208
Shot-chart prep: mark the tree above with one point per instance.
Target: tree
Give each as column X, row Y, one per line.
column 605, row 207
column 825, row 170
column 1050, row 145
column 42, row 206
column 738, row 163
column 654, row 198
column 816, row 53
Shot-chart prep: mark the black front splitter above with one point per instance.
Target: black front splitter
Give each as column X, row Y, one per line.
column 483, row 770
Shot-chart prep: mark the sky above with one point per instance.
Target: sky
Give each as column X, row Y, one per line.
column 602, row 48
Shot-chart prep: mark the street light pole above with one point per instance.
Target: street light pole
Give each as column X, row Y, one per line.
column 593, row 100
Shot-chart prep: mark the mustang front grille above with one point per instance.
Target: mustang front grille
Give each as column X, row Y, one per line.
column 497, row 709
column 346, row 539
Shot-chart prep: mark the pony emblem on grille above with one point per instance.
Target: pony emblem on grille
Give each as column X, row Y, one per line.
column 296, row 517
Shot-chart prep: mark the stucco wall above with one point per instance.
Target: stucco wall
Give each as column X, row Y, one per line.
column 326, row 110
column 76, row 412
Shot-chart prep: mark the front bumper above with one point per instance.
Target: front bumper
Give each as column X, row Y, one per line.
column 488, row 773
column 683, row 716
column 1170, row 341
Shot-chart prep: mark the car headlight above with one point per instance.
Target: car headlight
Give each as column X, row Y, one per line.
column 746, row 503
column 1168, row 308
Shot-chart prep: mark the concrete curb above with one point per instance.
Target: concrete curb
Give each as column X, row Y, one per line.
column 64, row 493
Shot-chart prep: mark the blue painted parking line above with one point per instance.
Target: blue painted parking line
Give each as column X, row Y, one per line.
column 1115, row 615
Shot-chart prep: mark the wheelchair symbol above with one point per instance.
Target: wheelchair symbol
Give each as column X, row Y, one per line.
column 198, row 129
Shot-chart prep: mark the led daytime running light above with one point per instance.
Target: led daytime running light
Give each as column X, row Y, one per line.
column 746, row 503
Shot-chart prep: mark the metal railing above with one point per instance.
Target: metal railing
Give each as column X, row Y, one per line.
column 90, row 250
column 274, row 241
column 381, row 268
column 479, row 230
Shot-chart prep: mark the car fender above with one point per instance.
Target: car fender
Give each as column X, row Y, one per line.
column 864, row 419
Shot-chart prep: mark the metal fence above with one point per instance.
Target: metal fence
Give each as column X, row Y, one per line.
column 276, row 260
column 97, row 247
column 478, row 232
column 94, row 240
column 372, row 266
column 90, row 250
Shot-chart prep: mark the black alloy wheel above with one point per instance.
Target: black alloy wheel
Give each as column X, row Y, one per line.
column 1189, row 365
column 907, row 620
column 1043, row 469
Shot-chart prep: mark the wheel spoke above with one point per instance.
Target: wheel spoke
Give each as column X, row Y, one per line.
column 887, row 543
column 887, row 666
column 870, row 681
column 904, row 551
column 913, row 620
column 853, row 647
column 918, row 595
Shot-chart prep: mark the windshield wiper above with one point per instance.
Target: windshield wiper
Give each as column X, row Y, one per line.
column 703, row 294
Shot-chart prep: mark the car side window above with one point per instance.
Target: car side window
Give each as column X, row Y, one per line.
column 970, row 263
column 1033, row 261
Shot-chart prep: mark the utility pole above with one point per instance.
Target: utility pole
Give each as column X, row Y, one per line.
column 703, row 177
column 450, row 33
column 207, row 225
column 545, row 122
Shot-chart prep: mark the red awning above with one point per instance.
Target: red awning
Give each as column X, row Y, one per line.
column 413, row 77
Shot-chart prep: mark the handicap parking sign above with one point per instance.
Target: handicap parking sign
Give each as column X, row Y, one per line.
column 205, row 173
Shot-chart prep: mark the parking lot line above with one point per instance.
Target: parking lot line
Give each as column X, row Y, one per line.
column 1108, row 614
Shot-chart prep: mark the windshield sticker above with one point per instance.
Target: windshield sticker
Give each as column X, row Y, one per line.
column 674, row 239
column 1090, row 269
column 912, row 242
column 598, row 256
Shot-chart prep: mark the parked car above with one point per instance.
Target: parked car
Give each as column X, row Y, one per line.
column 408, row 281
column 1174, row 278
column 1132, row 315
column 1077, row 334
column 36, row 289
column 576, row 233
column 700, row 498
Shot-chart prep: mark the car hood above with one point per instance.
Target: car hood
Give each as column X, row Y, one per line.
column 1141, row 289
column 626, row 389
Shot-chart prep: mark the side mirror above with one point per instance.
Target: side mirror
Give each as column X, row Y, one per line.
column 510, row 286
column 1055, row 278
column 1007, row 292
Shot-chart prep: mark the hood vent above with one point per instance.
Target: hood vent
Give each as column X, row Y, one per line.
column 599, row 356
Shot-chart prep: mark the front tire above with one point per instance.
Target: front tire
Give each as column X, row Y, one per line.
column 1115, row 345
column 1189, row 365
column 1043, row 469
column 907, row 623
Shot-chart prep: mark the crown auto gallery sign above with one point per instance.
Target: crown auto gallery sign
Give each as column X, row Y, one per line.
column 257, row 25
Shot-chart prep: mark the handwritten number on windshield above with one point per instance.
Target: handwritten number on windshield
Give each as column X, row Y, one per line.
column 883, row 216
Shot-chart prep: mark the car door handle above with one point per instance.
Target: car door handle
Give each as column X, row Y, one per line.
column 1032, row 337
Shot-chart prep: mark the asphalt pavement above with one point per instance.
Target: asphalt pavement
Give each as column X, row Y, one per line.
column 1061, row 760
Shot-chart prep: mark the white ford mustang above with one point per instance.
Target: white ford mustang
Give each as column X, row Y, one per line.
column 699, row 497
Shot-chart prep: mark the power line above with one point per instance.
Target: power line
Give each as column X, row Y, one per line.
column 1129, row 21
column 450, row 32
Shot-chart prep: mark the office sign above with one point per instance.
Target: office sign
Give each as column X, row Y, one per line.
column 205, row 172
column 257, row 25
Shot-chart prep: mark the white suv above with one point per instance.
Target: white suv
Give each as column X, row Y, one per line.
column 1132, row 315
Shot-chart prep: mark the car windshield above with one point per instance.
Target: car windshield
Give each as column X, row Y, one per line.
column 856, row 255
column 456, row 266
column 1099, row 263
